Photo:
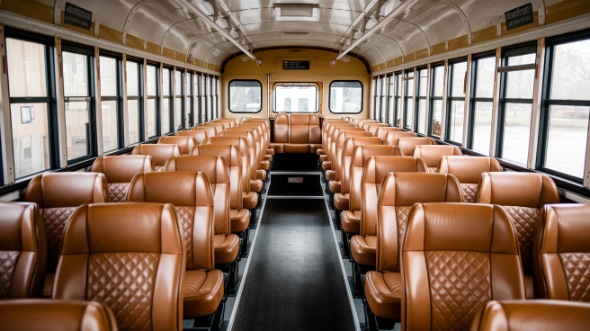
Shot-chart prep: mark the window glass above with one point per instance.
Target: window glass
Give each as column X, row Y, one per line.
column 178, row 88
column 456, row 101
column 409, row 100
column 422, row 88
column 568, row 108
column 27, row 81
column 109, row 103
column 245, row 96
column 77, row 104
column 133, row 102
column 485, row 70
column 398, row 100
column 436, row 100
column 346, row 97
column 152, row 90
column 391, row 101
column 296, row 98
column 166, row 99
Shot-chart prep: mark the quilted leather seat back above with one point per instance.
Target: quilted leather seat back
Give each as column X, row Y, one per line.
column 522, row 195
column 529, row 315
column 432, row 154
column 217, row 173
column 185, row 143
column 468, row 170
column 23, row 251
column 160, row 153
column 455, row 258
column 376, row 169
column 562, row 257
column 119, row 171
column 129, row 256
column 399, row 193
column 58, row 195
column 357, row 165
column 190, row 195
column 65, row 315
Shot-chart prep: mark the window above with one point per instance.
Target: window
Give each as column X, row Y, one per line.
column 398, row 99
column 134, row 102
column 208, row 103
column 566, row 108
column 296, row 98
column 189, row 104
column 383, row 99
column 216, row 98
column 516, row 99
column 421, row 100
column 165, row 108
column 152, row 100
column 346, row 97
column 78, row 101
column 245, row 96
column 409, row 100
column 390, row 100
column 199, row 98
column 179, row 118
column 456, row 101
column 436, row 100
column 110, row 101
column 484, row 71
column 375, row 93
column 31, row 108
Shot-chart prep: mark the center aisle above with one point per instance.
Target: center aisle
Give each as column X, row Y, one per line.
column 295, row 281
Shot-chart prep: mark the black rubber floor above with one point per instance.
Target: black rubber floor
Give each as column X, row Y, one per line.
column 295, row 281
column 299, row 184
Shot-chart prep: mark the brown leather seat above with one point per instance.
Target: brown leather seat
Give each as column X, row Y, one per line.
column 266, row 128
column 218, row 127
column 58, row 195
column 263, row 136
column 518, row 315
column 23, row 251
column 382, row 131
column 64, row 315
column 455, row 258
column 297, row 133
column 468, row 170
column 160, row 153
column 335, row 180
column 329, row 165
column 254, row 185
column 192, row 201
column 341, row 198
column 281, row 133
column 238, row 215
column 327, row 127
column 217, row 172
column 562, row 253
column 383, row 230
column 392, row 138
column 372, row 127
column 210, row 130
column 254, row 147
column 408, row 144
column 259, row 140
column 199, row 135
column 523, row 196
column 185, row 143
column 432, row 154
column 129, row 256
column 376, row 168
column 119, row 171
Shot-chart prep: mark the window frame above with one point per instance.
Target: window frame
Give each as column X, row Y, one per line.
column 118, row 98
column 318, row 93
column 419, row 97
column 345, row 81
column 474, row 99
column 139, row 97
column 229, row 96
column 409, row 125
column 450, row 98
column 433, row 99
column 155, row 97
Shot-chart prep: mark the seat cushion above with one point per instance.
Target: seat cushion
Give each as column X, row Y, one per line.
column 320, row 151
column 335, row 186
column 351, row 221
column 314, row 147
column 260, row 174
column 341, row 201
column 265, row 165
column 364, row 249
column 226, row 248
column 327, row 166
column 296, row 148
column 240, row 220
column 202, row 292
column 256, row 185
column 330, row 175
column 383, row 292
column 322, row 158
column 277, row 147
column 250, row 200
column 270, row 151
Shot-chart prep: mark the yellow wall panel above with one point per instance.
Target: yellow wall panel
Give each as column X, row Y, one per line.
column 109, row 34
column 458, row 42
column 31, row 9
column 565, row 10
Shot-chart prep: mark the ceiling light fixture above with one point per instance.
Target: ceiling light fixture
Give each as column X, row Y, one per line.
column 371, row 23
column 234, row 33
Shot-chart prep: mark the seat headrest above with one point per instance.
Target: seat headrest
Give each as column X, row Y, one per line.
column 566, row 229
column 460, row 227
column 198, row 134
column 352, row 142
column 432, row 154
column 517, row 189
column 406, row 189
column 229, row 152
column 159, row 152
column 185, row 143
column 122, row 168
column 181, row 188
column 408, row 144
column 123, row 227
column 363, row 152
column 392, row 137
column 18, row 226
column 377, row 167
column 214, row 167
column 67, row 189
column 468, row 169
